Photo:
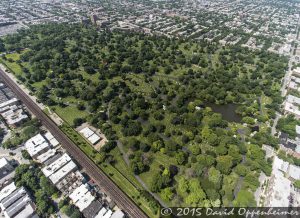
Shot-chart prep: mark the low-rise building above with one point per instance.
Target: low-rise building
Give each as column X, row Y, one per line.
column 16, row 202
column 63, row 172
column 12, row 113
column 45, row 156
column 6, row 171
column 82, row 197
column 56, row 165
column 90, row 135
column 36, row 145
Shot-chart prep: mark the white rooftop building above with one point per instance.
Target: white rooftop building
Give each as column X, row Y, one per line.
column 16, row 203
column 45, row 156
column 12, row 114
column 10, row 102
column 94, row 139
column 36, row 145
column 28, row 211
column 279, row 186
column 49, row 136
column 297, row 71
column 51, row 139
column 294, row 172
column 56, row 165
column 90, row 135
column 54, row 142
column 118, row 214
column 291, row 108
column 5, row 165
column 298, row 130
column 14, row 196
column 281, row 165
column 86, row 132
column 63, row 172
column 82, row 197
column 292, row 99
column 101, row 212
column 7, row 190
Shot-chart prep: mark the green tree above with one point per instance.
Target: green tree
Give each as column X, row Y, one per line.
column 224, row 164
column 244, row 199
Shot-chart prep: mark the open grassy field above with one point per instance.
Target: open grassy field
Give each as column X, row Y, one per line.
column 69, row 113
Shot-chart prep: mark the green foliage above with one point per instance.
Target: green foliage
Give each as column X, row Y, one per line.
column 151, row 93
column 167, row 194
column 25, row 131
column 108, row 146
column 196, row 195
column 33, row 179
column 288, row 125
column 244, row 199
column 224, row 164
column 297, row 184
column 160, row 181
column 26, row 155
column 2, row 46
column 71, row 211
column 151, row 201
column 214, row 175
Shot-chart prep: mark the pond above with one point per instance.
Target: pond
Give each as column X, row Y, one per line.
column 227, row 111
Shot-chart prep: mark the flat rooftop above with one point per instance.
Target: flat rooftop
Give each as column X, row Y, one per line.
column 45, row 156
column 7, row 190
column 56, row 165
column 36, row 144
column 82, row 197
column 61, row 173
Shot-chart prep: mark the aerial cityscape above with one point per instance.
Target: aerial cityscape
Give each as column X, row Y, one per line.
column 131, row 108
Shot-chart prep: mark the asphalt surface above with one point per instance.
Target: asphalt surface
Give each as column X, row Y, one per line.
column 121, row 199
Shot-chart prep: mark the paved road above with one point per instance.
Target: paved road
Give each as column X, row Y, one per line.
column 122, row 200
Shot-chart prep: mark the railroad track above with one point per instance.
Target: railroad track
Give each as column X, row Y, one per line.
column 121, row 199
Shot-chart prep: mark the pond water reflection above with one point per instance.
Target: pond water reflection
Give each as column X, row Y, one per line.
column 227, row 111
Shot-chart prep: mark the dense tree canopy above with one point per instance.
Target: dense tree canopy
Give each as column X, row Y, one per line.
column 150, row 93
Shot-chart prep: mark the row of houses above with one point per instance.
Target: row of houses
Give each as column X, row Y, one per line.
column 65, row 174
column 291, row 105
column 14, row 202
column 282, row 193
column 11, row 109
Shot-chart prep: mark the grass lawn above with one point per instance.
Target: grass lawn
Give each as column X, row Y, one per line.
column 69, row 113
column 264, row 101
column 14, row 56
column 38, row 85
column 13, row 66
column 160, row 159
